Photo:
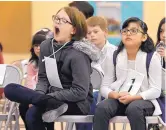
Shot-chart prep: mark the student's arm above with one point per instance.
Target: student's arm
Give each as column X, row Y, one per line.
column 155, row 77
column 109, row 78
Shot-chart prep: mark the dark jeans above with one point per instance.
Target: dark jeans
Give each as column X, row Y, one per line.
column 135, row 112
column 33, row 116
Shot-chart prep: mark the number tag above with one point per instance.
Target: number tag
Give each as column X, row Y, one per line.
column 133, row 82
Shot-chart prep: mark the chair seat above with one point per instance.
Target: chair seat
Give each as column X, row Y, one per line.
column 124, row 119
column 73, row 118
column 89, row 118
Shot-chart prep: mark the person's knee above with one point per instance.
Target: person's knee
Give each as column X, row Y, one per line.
column 9, row 89
column 102, row 109
column 134, row 110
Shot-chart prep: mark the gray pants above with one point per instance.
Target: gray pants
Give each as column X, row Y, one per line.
column 135, row 112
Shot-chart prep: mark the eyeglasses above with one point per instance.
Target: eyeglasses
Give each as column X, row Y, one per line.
column 36, row 45
column 133, row 31
column 58, row 20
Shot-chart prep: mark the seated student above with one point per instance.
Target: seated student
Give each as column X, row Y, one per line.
column 32, row 71
column 32, row 67
column 131, row 90
column 161, row 40
column 64, row 85
column 161, row 49
column 97, row 35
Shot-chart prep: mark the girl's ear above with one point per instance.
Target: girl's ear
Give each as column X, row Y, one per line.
column 73, row 31
column 145, row 36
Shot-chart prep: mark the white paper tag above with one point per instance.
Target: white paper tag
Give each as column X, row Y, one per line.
column 52, row 72
column 133, row 82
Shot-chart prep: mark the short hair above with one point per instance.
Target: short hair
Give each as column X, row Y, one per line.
column 84, row 7
column 78, row 21
column 97, row 21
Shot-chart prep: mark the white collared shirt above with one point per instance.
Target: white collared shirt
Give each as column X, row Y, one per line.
column 106, row 55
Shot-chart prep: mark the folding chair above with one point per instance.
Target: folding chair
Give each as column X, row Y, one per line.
column 149, row 120
column 96, row 80
column 22, row 65
column 12, row 75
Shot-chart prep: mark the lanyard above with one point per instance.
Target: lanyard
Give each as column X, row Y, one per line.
column 54, row 52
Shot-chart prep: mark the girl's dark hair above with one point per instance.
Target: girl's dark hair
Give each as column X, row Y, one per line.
column 148, row 45
column 1, row 47
column 37, row 39
column 159, row 28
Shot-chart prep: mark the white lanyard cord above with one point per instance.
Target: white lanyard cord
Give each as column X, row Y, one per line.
column 54, row 50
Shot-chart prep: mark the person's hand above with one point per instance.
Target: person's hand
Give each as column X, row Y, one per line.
column 126, row 99
column 121, row 94
column 30, row 105
column 161, row 51
column 113, row 94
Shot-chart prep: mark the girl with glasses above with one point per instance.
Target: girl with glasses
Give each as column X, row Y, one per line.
column 130, row 90
column 64, row 85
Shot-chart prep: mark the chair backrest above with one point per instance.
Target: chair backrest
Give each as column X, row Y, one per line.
column 22, row 65
column 96, row 78
column 12, row 75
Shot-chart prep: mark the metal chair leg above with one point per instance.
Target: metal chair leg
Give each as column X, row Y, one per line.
column 109, row 126
column 69, row 125
column 74, row 127
column 61, row 125
column 4, row 111
column 17, row 127
column 114, row 127
column 124, row 126
column 9, row 115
